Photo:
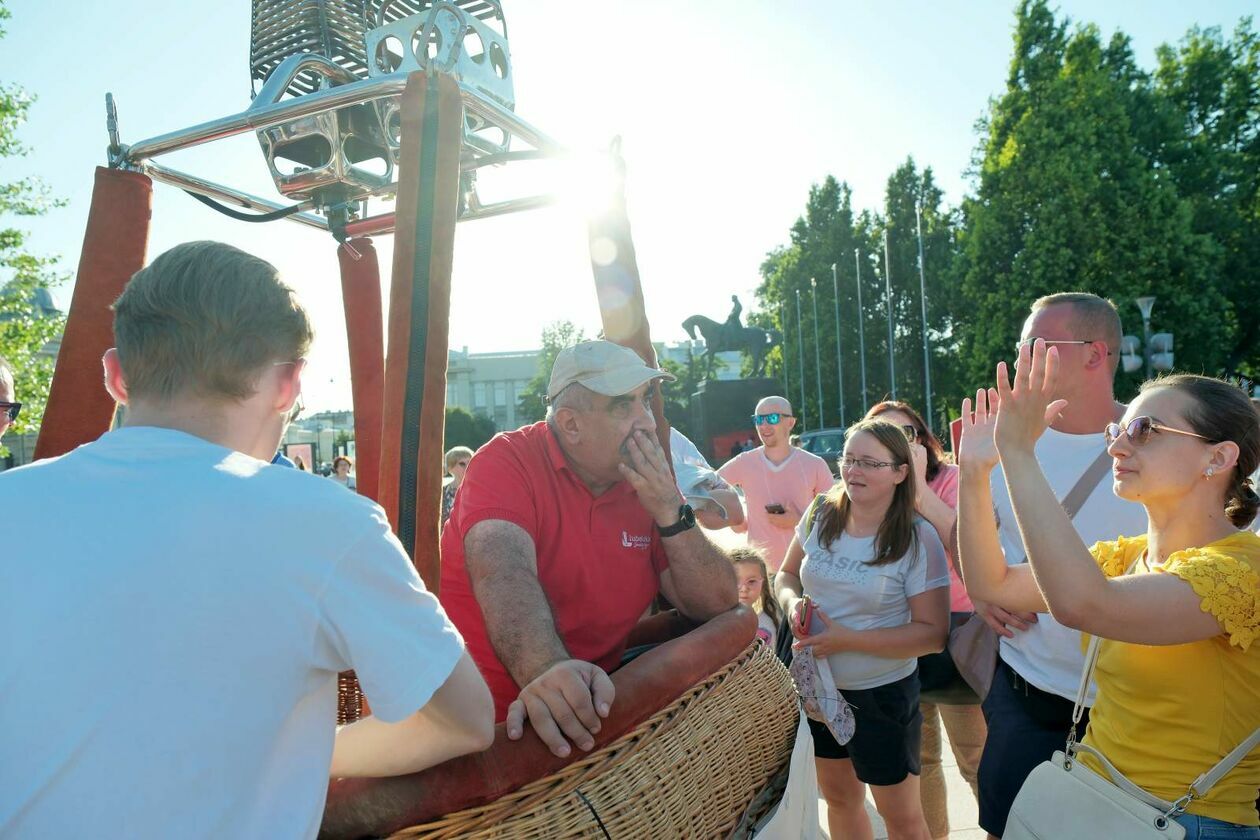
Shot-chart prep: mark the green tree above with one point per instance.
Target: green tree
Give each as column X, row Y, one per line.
column 25, row 328
column 1071, row 195
column 830, row 233
column 531, row 406
column 1211, row 87
column 677, row 394
column 465, row 429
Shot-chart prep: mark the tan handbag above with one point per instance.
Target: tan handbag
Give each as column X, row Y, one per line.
column 973, row 644
column 1064, row 798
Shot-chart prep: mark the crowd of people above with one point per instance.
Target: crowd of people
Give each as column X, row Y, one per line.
column 177, row 682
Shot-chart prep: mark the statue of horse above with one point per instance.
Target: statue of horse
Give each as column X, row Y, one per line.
column 720, row 338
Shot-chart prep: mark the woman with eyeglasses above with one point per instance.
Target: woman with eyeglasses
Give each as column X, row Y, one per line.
column 1177, row 608
column 877, row 576
column 456, row 464
column 945, row 698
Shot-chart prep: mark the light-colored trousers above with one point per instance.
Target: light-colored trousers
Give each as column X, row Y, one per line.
column 966, row 730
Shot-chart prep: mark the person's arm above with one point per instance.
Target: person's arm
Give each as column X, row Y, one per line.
column 936, row 510
column 1158, row 609
column 562, row 697
column 729, row 500
column 985, row 572
column 787, row 581
column 458, row 719
column 700, row 580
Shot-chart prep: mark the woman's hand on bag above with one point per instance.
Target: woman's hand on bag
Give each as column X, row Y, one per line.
column 977, row 449
column 1027, row 406
column 831, row 639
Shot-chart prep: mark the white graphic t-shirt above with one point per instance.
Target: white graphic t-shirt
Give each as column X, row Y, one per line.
column 860, row 596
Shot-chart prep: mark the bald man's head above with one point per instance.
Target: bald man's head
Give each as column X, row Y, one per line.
column 773, row 404
column 776, row 435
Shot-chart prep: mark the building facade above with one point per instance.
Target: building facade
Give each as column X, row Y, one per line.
column 490, row 383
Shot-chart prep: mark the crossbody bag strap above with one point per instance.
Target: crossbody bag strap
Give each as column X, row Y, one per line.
column 1083, row 488
column 1075, row 499
column 1205, row 782
column 1087, row 673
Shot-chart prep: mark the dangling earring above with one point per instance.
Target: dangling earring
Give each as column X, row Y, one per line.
column 1209, row 472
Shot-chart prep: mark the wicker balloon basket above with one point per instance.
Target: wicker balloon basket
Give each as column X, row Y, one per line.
column 691, row 770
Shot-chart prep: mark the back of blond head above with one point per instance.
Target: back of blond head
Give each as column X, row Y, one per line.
column 1094, row 318
column 205, row 319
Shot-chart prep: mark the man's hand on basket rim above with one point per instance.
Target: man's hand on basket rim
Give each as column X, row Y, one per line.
column 568, row 700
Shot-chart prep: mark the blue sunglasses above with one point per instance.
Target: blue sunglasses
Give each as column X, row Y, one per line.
column 772, row 418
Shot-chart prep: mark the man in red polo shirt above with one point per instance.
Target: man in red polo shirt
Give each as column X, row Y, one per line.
column 560, row 537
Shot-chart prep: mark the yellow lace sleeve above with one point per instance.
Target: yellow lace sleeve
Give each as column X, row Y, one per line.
column 1115, row 556
column 1228, row 587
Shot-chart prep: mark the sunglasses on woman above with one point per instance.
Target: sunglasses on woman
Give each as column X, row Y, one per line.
column 10, row 410
column 1139, row 430
column 772, row 418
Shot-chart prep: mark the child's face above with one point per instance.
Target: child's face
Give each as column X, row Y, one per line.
column 748, row 577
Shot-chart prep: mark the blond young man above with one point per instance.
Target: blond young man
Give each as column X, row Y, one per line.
column 173, row 624
column 1029, row 707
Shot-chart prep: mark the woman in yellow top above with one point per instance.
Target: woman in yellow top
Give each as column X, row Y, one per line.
column 1179, row 673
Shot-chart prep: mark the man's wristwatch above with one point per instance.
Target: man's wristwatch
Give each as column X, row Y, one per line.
column 686, row 521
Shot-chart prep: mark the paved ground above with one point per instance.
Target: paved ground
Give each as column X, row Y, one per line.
column 962, row 806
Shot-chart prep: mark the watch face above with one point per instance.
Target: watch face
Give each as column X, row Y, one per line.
column 686, row 515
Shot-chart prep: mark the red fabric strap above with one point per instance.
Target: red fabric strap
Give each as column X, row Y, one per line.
column 79, row 409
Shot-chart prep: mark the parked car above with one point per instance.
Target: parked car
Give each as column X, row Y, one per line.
column 827, row 444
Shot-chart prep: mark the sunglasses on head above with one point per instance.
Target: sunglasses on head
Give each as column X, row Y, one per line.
column 772, row 418
column 10, row 410
column 1139, row 430
column 911, row 433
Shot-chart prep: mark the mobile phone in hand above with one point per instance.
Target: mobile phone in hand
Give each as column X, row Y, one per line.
column 775, row 508
column 805, row 612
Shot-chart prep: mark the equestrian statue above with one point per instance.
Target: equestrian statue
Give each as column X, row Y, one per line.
column 732, row 335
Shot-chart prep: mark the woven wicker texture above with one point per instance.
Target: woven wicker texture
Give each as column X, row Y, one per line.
column 691, row 770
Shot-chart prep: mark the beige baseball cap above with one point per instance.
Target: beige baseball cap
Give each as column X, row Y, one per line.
column 604, row 367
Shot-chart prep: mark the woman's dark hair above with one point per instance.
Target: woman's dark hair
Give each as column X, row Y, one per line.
column 896, row 533
column 935, row 451
column 769, row 604
column 1222, row 412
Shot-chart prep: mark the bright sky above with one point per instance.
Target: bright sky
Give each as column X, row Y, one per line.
column 729, row 111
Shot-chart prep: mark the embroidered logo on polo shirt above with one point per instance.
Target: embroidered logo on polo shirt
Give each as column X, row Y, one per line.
column 634, row 541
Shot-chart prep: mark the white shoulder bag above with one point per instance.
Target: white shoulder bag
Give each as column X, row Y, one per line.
column 1064, row 798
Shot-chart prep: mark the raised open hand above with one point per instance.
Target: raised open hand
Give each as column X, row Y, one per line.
column 1028, row 406
column 976, row 447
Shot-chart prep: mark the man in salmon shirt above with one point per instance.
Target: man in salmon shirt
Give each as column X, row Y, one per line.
column 561, row 536
column 779, row 480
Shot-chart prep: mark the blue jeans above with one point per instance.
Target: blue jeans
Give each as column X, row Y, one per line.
column 1206, row 828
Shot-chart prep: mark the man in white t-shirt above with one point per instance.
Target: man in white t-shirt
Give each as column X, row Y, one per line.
column 716, row 505
column 175, row 610
column 778, row 479
column 1029, row 707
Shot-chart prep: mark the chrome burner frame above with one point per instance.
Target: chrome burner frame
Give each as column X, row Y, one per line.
column 347, row 104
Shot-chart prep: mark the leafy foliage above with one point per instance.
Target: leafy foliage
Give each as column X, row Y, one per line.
column 25, row 330
column 1090, row 174
column 531, row 406
column 465, row 429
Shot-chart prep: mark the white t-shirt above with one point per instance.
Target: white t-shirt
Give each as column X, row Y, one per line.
column 174, row 615
column 1048, row 655
column 860, row 596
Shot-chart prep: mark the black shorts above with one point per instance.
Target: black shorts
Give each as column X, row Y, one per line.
column 888, row 728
